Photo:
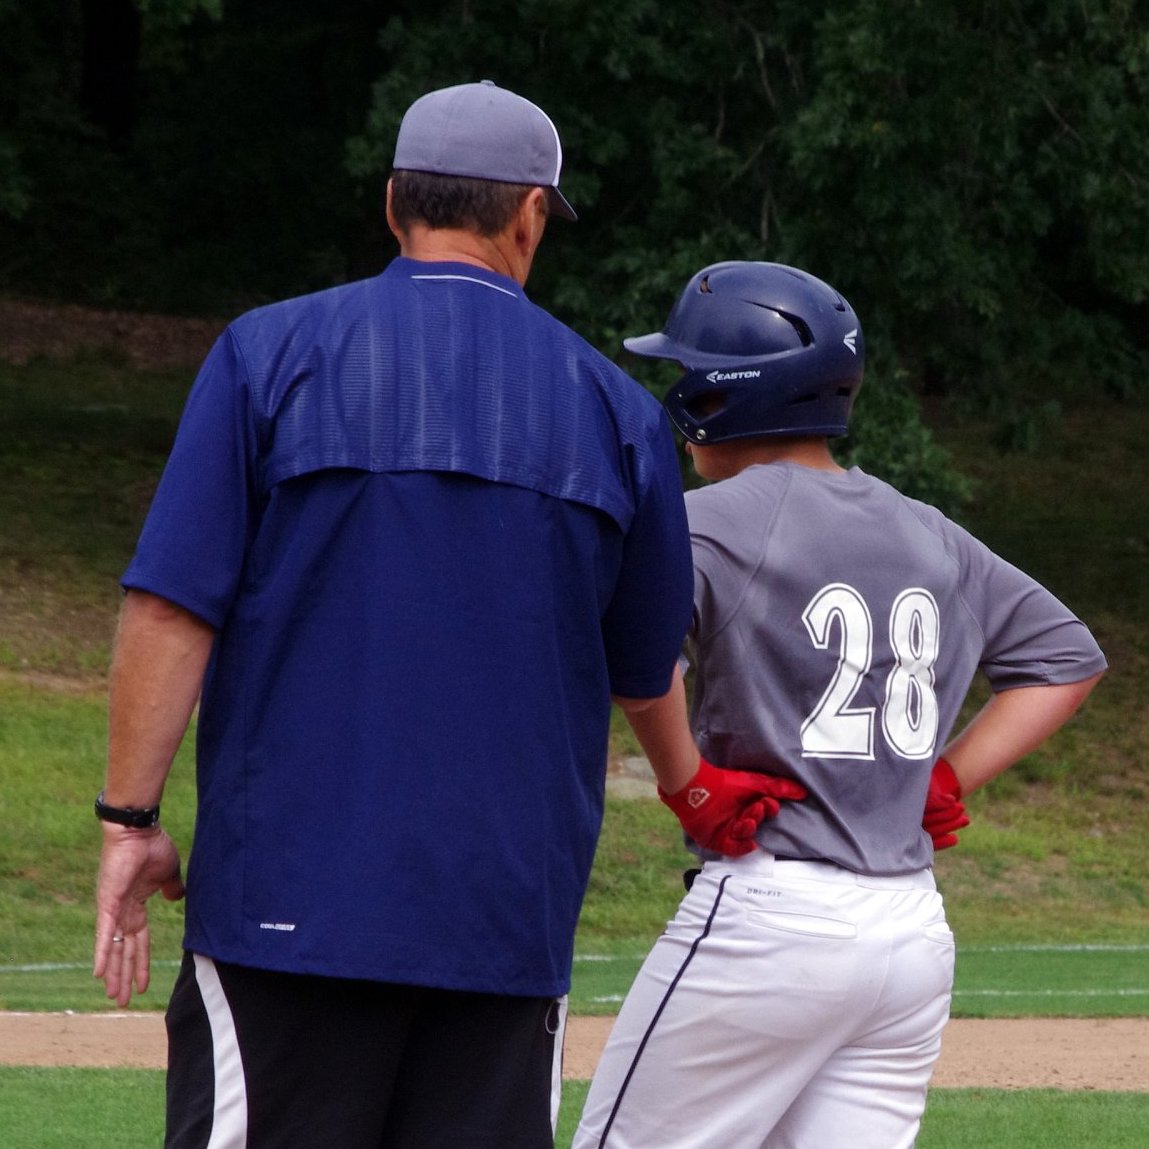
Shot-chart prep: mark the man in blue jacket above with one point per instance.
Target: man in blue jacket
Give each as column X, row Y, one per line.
column 413, row 536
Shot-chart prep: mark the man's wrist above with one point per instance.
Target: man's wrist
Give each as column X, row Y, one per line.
column 134, row 817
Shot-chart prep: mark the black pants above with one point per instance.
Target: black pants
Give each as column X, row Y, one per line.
column 286, row 1061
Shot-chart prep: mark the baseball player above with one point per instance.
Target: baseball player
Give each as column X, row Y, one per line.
column 797, row 998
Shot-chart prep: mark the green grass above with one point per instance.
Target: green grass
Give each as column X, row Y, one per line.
column 1008, row 884
column 88, row 1108
column 1087, row 961
column 1053, row 980
column 1084, row 980
column 1059, row 847
column 81, row 449
column 65, row 1108
column 1057, row 856
column 52, row 746
column 976, row 1118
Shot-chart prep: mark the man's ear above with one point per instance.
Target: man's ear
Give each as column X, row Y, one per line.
column 396, row 231
column 531, row 220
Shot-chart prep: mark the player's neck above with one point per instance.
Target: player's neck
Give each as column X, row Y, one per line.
column 726, row 459
column 450, row 245
column 805, row 452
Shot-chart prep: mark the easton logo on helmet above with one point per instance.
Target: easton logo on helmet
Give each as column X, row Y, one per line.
column 723, row 376
column 849, row 338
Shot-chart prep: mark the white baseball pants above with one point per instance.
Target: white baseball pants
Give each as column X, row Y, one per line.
column 788, row 1005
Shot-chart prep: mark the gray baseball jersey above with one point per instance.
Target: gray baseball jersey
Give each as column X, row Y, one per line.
column 837, row 627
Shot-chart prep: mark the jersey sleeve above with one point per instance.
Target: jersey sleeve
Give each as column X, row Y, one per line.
column 649, row 612
column 192, row 545
column 1030, row 637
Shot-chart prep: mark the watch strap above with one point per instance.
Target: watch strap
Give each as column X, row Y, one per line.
column 137, row 817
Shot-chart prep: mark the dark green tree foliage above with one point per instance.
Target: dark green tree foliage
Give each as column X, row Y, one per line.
column 111, row 54
column 672, row 118
column 990, row 168
column 256, row 196
column 973, row 176
column 18, row 35
column 200, row 173
column 59, row 178
column 657, row 139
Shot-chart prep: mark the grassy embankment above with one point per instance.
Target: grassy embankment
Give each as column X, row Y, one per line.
column 1057, row 856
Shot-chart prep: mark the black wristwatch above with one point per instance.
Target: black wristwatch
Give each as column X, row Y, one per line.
column 139, row 818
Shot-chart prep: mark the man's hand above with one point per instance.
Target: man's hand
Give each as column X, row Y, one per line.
column 134, row 864
column 721, row 809
column 944, row 813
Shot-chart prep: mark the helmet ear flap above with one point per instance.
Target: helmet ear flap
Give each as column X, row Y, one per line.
column 706, row 403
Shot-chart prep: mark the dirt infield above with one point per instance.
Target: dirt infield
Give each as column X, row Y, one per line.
column 1101, row 1054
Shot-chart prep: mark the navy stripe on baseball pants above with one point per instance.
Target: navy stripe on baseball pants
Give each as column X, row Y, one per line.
column 265, row 1060
column 788, row 1005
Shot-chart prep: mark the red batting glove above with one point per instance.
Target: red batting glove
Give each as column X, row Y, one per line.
column 721, row 809
column 944, row 813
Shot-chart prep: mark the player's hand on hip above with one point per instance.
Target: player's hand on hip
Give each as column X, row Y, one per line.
column 134, row 865
column 944, row 814
column 722, row 809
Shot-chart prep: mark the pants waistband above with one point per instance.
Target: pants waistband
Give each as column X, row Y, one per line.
column 764, row 864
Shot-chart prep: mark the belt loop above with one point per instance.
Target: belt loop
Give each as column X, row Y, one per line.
column 760, row 862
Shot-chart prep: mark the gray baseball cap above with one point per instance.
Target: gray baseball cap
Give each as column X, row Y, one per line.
column 485, row 132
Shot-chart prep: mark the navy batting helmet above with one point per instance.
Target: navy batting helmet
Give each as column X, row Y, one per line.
column 767, row 350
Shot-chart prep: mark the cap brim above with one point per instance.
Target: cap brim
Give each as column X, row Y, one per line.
column 559, row 206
